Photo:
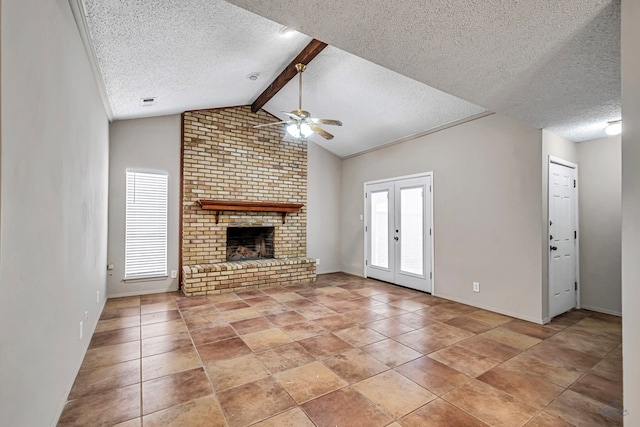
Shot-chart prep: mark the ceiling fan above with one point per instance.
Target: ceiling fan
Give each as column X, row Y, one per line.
column 301, row 124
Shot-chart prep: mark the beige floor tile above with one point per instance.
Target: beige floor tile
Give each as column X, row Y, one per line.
column 580, row 410
column 163, row 328
column 292, row 418
column 162, row 364
column 110, row 355
column 545, row 420
column 465, row 361
column 267, row 398
column 345, row 407
column 159, row 316
column 489, row 348
column 393, row 392
column 103, row 378
column 285, row 357
column 354, row 365
column 172, row 390
column 544, row 370
column 268, row 338
column 106, row 408
column 390, row 352
column 309, row 381
column 359, row 336
column 440, row 413
column 122, row 302
column 230, row 373
column 204, row 411
column 241, row 314
column 433, row 375
column 529, row 389
column 302, row 330
column 165, row 343
column 135, row 422
column 510, row 338
column 325, row 345
column 158, row 306
column 490, row 405
column 117, row 323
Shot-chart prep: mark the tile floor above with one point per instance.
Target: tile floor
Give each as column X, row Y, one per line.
column 343, row 351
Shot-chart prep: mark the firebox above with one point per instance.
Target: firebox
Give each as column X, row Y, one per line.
column 245, row 243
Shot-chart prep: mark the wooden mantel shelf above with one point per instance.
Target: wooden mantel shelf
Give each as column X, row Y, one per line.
column 223, row 205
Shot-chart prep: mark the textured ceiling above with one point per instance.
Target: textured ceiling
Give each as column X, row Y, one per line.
column 376, row 105
column 552, row 64
column 188, row 54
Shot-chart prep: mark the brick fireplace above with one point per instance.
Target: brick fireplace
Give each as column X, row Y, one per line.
column 228, row 168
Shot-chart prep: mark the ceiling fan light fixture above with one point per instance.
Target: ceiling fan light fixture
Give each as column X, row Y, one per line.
column 614, row 128
column 299, row 130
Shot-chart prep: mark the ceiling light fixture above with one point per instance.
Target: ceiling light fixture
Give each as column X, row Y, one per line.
column 286, row 31
column 253, row 76
column 614, row 128
column 299, row 130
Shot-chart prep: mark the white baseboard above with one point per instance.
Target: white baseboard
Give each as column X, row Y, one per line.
column 539, row 321
column 145, row 292
column 77, row 370
column 602, row 310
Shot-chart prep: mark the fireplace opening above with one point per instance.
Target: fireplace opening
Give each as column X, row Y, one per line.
column 246, row 243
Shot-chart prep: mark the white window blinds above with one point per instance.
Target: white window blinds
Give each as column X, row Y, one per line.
column 146, row 225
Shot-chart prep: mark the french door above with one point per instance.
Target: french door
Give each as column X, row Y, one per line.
column 398, row 231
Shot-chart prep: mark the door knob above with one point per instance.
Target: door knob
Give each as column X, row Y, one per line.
column 395, row 238
column 554, row 248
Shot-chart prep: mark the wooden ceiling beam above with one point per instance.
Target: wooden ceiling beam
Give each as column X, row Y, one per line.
column 308, row 53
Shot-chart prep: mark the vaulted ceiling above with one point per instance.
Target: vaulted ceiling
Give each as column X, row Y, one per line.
column 392, row 70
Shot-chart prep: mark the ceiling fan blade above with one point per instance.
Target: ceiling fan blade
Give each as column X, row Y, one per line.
column 270, row 124
column 292, row 115
column 331, row 122
column 317, row 129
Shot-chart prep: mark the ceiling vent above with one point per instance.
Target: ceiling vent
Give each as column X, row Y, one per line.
column 148, row 102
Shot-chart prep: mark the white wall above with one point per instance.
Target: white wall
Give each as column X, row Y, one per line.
column 323, row 208
column 556, row 146
column 631, row 209
column 600, row 223
column 154, row 144
column 54, row 209
column 487, row 209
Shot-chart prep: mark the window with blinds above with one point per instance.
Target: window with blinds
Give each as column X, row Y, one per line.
column 146, row 225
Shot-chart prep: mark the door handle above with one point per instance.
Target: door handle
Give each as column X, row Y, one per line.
column 554, row 248
column 395, row 238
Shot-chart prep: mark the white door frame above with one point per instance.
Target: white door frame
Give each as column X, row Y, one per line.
column 430, row 225
column 562, row 162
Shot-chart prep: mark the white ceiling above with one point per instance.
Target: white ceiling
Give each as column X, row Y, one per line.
column 553, row 64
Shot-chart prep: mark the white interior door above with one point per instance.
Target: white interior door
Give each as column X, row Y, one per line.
column 398, row 232
column 562, row 239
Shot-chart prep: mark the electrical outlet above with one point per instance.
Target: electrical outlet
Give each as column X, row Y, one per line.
column 476, row 286
column 86, row 315
column 97, row 297
column 81, row 329
column 174, row 274
column 317, row 261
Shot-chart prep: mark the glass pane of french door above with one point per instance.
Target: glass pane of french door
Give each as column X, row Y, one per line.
column 412, row 230
column 380, row 229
